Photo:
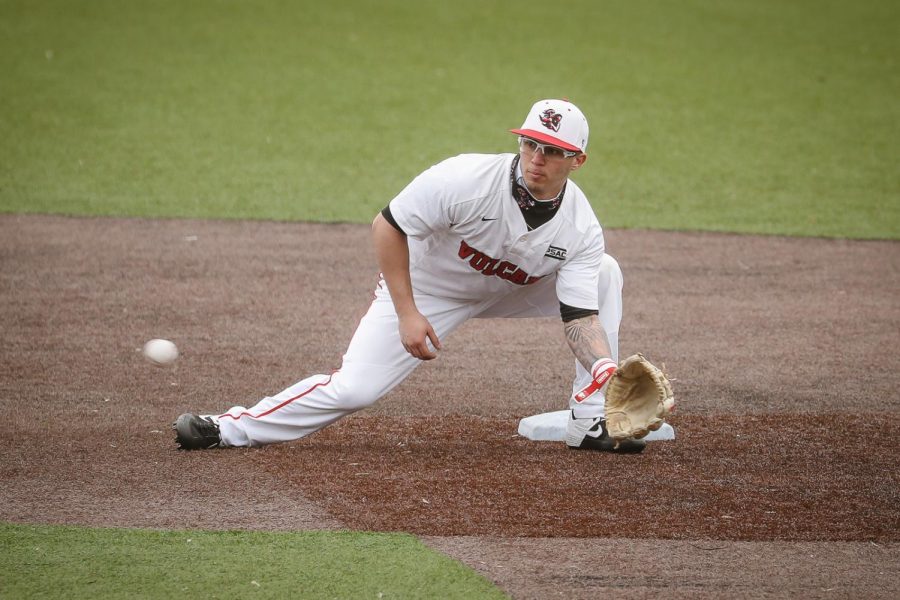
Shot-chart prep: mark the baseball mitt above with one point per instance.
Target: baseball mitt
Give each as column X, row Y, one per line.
column 638, row 399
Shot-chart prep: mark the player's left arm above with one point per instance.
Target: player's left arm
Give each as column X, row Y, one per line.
column 590, row 345
column 577, row 288
column 587, row 339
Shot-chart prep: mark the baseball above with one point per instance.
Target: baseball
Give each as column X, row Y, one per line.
column 161, row 352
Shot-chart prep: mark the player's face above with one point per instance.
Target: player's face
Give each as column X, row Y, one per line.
column 545, row 169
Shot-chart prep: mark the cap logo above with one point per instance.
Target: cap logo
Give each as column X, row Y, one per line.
column 550, row 119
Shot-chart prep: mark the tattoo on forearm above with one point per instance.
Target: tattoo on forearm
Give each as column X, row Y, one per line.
column 587, row 339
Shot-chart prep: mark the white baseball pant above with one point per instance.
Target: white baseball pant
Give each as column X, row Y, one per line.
column 376, row 362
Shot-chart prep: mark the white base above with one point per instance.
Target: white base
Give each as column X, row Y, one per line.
column 551, row 427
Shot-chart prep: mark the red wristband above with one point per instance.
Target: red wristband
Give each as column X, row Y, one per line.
column 601, row 371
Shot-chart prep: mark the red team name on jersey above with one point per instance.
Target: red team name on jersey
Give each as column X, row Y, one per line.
column 487, row 266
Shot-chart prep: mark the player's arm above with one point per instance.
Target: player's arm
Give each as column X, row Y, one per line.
column 588, row 342
column 392, row 252
column 585, row 335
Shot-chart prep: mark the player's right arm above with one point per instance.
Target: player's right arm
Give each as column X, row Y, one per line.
column 392, row 252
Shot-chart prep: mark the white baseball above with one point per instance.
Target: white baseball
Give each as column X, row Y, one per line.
column 161, row 352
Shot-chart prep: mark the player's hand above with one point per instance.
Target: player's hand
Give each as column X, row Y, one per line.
column 415, row 332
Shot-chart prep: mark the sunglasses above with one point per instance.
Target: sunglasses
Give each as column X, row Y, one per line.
column 554, row 152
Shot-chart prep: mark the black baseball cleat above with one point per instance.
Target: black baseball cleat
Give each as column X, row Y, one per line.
column 591, row 434
column 193, row 432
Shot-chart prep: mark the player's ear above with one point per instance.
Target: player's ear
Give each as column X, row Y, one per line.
column 579, row 160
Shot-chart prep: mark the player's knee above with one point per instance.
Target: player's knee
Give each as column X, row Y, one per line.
column 358, row 401
column 610, row 273
column 610, row 266
column 355, row 395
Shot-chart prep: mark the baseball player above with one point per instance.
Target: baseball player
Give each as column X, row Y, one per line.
column 475, row 236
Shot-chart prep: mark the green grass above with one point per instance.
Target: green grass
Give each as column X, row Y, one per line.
column 754, row 116
column 74, row 562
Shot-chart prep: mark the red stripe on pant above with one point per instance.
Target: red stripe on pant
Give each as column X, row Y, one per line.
column 279, row 406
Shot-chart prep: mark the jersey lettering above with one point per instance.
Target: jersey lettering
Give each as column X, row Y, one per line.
column 488, row 266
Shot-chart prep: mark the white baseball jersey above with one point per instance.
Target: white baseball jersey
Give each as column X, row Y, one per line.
column 468, row 239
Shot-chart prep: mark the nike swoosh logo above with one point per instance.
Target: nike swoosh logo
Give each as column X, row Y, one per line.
column 486, row 219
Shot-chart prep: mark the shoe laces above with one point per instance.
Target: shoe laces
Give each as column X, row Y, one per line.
column 208, row 428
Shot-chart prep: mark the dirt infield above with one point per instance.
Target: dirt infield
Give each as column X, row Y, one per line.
column 784, row 479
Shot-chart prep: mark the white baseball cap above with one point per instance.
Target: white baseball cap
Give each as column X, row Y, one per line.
column 556, row 122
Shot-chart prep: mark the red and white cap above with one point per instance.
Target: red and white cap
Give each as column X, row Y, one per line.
column 556, row 122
